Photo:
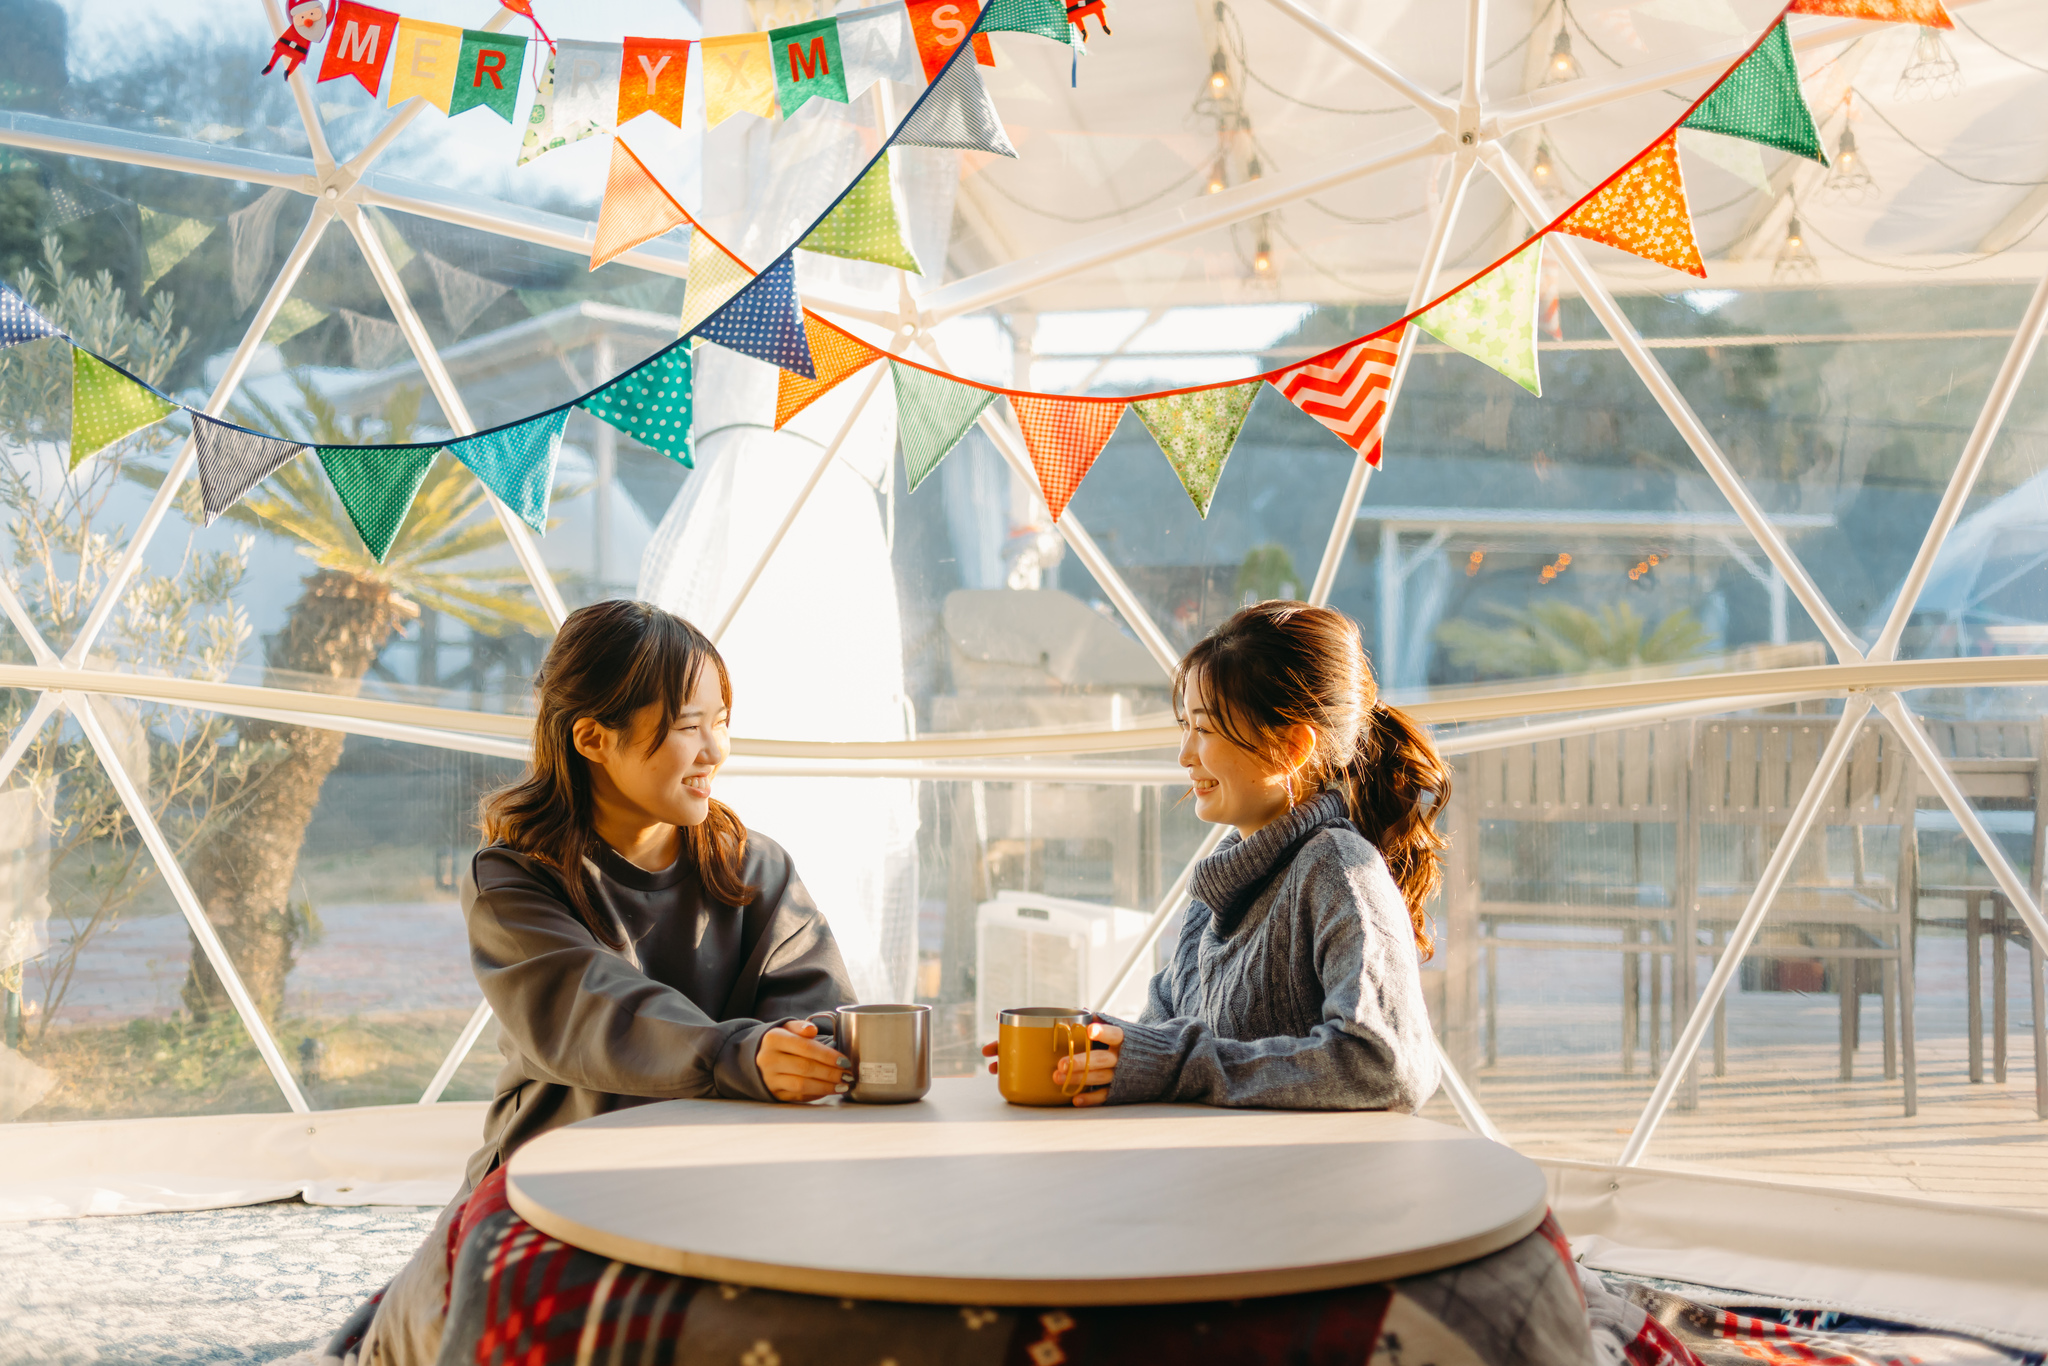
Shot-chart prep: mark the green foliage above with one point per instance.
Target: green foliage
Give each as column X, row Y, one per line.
column 1549, row 638
column 1268, row 572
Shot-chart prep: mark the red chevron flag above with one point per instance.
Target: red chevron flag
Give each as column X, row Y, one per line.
column 1346, row 391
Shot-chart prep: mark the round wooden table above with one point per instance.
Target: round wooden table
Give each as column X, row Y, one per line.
column 961, row 1198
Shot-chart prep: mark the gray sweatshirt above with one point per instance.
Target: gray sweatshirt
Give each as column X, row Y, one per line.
column 1311, row 1000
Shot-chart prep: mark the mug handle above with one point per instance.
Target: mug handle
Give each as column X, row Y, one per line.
column 1076, row 1075
column 831, row 1018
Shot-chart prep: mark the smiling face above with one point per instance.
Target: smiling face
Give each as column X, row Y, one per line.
column 658, row 770
column 310, row 20
column 1234, row 785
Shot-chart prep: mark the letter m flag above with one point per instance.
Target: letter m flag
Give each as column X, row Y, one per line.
column 358, row 40
column 807, row 64
column 1347, row 391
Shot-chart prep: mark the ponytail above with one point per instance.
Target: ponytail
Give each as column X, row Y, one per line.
column 1396, row 785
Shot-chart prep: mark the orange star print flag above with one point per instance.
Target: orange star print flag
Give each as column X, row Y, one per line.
column 1643, row 211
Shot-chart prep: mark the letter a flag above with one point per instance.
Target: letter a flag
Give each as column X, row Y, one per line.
column 635, row 207
column 358, row 41
column 713, row 279
column 1493, row 319
column 739, row 78
column 863, row 226
column 765, row 321
column 1064, row 435
column 878, row 45
column 487, row 72
column 956, row 112
column 518, row 463
column 423, row 61
column 1346, row 390
column 1046, row 18
column 107, row 405
column 1928, row 13
column 932, row 414
column 651, row 78
column 1643, row 211
column 376, row 485
column 807, row 64
column 232, row 461
column 651, row 403
column 19, row 321
column 1761, row 100
column 1196, row 431
column 836, row 355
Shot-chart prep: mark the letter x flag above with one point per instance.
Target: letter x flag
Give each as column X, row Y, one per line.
column 1346, row 390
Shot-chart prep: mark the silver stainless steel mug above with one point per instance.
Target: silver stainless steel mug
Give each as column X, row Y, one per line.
column 891, row 1049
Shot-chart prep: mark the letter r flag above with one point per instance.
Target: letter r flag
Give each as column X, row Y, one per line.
column 358, row 41
column 807, row 64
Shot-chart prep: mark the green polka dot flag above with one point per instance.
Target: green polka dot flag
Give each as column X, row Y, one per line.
column 863, row 226
column 376, row 485
column 106, row 405
column 1761, row 101
column 1046, row 18
column 651, row 404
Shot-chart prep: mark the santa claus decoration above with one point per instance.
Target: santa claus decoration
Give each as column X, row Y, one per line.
column 308, row 26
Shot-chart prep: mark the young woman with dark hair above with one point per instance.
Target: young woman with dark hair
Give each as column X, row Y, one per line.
column 1295, row 980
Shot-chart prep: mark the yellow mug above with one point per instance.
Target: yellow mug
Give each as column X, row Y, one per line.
column 1029, row 1041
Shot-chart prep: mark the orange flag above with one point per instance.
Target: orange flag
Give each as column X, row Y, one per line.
column 635, row 207
column 937, row 26
column 1064, row 436
column 1928, row 12
column 1643, row 211
column 651, row 77
column 834, row 355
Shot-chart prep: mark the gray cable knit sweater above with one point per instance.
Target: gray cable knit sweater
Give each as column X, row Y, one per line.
column 1311, row 1001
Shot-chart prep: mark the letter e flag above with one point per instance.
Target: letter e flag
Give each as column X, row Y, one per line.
column 358, row 41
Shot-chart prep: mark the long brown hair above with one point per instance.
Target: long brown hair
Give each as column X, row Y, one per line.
column 1281, row 664
column 608, row 661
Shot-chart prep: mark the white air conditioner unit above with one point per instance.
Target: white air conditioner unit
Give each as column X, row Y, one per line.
column 1035, row 950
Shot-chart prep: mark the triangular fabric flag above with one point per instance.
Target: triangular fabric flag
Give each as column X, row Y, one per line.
column 544, row 132
column 166, row 240
column 932, row 414
column 487, row 73
column 739, row 78
column 20, row 321
column 635, row 207
column 1493, row 319
column 376, row 485
column 807, row 64
column 232, row 461
column 1643, row 212
column 764, row 321
column 863, row 226
column 1064, row 435
column 956, row 112
column 714, row 278
column 1738, row 157
column 423, row 59
column 518, row 464
column 1046, row 18
column 293, row 317
column 937, row 26
column 252, row 241
column 463, row 295
column 373, row 343
column 358, row 41
column 651, row 403
column 1196, row 431
column 106, row 405
column 1761, row 100
column 652, row 76
column 1346, row 390
column 878, row 45
column 835, row 354
column 587, row 81
column 1928, row 13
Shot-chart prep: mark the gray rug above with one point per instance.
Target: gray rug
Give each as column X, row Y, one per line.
column 239, row 1285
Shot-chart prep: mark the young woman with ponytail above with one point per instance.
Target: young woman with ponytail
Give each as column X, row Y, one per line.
column 1294, row 984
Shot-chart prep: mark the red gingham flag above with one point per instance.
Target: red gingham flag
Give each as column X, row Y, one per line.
column 1346, row 391
column 1064, row 437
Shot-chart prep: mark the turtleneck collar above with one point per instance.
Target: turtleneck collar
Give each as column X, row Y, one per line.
column 1238, row 862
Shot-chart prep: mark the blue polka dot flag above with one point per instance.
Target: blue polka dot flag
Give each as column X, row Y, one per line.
column 651, row 404
column 19, row 322
column 518, row 464
column 765, row 321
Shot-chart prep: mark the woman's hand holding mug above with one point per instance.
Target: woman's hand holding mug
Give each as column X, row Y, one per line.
column 1096, row 1068
column 796, row 1068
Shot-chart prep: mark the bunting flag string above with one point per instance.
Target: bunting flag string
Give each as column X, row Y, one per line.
column 807, row 64
column 1196, row 432
column 232, row 461
column 937, row 26
column 1643, row 211
column 167, row 240
column 764, row 320
column 107, row 404
column 1928, row 13
column 359, row 38
column 739, row 77
column 932, row 414
column 376, row 485
column 487, row 72
column 1347, row 391
column 715, row 276
column 518, row 463
column 21, row 321
column 652, row 79
column 423, row 57
column 956, row 113
column 635, row 209
column 836, row 355
column 1493, row 319
column 1063, row 436
column 651, row 403
column 1761, row 100
column 864, row 226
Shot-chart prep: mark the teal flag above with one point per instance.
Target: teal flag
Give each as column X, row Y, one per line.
column 518, row 464
column 932, row 414
column 651, row 404
column 1761, row 100
column 807, row 64
column 487, row 73
column 1046, row 18
column 376, row 485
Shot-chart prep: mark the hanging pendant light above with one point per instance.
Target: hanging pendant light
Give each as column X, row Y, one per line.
column 1263, row 270
column 1795, row 260
column 1219, row 73
column 1932, row 71
column 1849, row 178
column 1543, row 170
column 1563, row 65
column 1218, row 180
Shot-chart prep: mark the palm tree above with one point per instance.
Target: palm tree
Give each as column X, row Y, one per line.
column 348, row 610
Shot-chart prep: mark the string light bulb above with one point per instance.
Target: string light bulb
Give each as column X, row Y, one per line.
column 1849, row 178
column 1262, row 256
column 1563, row 65
column 1544, row 171
column 1253, row 170
column 1932, row 71
column 1795, row 261
column 1219, row 73
column 1217, row 182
